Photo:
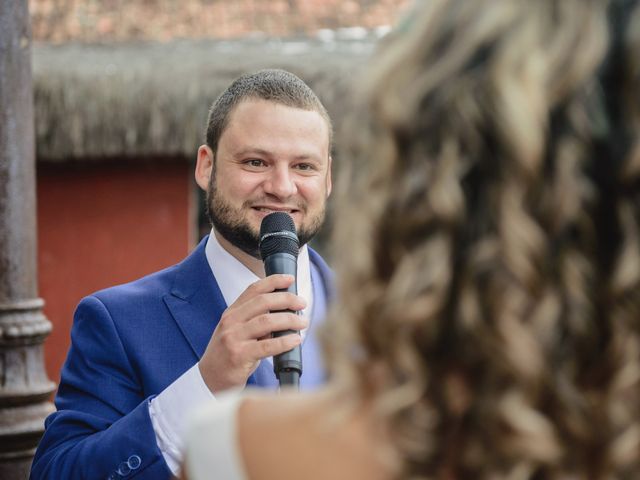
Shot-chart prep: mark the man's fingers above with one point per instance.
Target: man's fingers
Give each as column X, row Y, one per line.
column 269, row 302
column 267, row 285
column 263, row 325
column 273, row 346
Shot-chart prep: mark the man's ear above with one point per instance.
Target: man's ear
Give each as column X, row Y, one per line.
column 329, row 182
column 204, row 167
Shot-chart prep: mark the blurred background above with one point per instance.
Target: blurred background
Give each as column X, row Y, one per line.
column 165, row 20
column 121, row 94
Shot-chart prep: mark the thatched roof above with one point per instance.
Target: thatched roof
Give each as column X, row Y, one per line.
column 142, row 100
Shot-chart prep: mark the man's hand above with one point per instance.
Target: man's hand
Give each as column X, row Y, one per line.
column 243, row 335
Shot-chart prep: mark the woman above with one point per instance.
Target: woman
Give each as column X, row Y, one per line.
column 489, row 265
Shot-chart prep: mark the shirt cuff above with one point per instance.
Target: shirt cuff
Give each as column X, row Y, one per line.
column 167, row 412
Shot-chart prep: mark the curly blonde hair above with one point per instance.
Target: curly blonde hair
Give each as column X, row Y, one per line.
column 490, row 297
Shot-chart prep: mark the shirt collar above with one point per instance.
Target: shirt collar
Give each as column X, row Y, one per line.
column 233, row 277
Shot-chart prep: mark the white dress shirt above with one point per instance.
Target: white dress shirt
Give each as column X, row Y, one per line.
column 189, row 391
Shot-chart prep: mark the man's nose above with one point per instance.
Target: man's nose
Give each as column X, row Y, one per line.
column 280, row 183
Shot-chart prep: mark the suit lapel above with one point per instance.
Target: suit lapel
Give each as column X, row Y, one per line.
column 195, row 300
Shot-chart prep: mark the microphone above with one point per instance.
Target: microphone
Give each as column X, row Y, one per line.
column 279, row 251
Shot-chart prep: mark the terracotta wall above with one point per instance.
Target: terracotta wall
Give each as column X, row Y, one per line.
column 103, row 225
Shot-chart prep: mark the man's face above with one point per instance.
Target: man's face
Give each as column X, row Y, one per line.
column 270, row 158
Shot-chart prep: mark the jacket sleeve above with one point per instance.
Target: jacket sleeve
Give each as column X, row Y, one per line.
column 102, row 428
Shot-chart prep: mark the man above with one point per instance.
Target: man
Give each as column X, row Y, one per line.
column 145, row 353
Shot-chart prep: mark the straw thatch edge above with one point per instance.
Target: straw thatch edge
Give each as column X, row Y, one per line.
column 144, row 100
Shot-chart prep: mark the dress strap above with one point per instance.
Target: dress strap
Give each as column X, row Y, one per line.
column 212, row 447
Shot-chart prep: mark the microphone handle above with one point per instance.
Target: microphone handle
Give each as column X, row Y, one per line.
column 288, row 365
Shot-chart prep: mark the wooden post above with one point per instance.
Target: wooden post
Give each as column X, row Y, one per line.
column 24, row 386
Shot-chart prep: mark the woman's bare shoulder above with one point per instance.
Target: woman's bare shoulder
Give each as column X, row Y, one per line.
column 303, row 435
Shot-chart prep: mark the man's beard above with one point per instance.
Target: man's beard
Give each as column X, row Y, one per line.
column 229, row 223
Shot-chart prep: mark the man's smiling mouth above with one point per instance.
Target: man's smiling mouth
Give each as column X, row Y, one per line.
column 275, row 209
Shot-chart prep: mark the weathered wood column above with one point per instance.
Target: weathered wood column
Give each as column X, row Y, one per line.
column 24, row 386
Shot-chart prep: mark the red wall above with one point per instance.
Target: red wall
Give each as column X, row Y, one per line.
column 103, row 225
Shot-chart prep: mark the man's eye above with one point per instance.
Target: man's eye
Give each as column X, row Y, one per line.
column 254, row 162
column 304, row 166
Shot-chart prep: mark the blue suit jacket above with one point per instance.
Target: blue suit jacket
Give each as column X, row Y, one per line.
column 128, row 343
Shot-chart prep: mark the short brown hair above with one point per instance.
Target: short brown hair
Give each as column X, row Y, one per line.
column 274, row 85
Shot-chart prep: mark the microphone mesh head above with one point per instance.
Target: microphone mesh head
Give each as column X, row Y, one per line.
column 278, row 235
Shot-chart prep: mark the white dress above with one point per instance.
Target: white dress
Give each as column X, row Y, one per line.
column 211, row 446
